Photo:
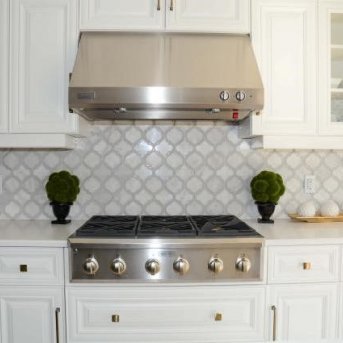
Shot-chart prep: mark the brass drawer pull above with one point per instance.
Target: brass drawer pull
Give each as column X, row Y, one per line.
column 218, row 317
column 307, row 265
column 171, row 8
column 158, row 5
column 115, row 318
column 23, row 268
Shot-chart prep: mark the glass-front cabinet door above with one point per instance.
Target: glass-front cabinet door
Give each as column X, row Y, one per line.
column 331, row 67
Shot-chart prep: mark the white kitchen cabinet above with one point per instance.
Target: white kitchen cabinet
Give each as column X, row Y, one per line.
column 165, row 314
column 210, row 16
column 4, row 39
column 301, row 313
column 32, row 314
column 43, row 42
column 302, row 264
column 171, row 15
column 284, row 38
column 122, row 14
column 331, row 67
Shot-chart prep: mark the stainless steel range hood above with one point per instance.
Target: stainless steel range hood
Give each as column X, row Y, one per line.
column 165, row 76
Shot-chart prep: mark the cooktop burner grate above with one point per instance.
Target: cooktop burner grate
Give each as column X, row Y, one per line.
column 109, row 226
column 222, row 226
column 165, row 226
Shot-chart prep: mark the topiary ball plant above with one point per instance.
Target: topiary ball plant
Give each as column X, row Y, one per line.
column 266, row 188
column 62, row 189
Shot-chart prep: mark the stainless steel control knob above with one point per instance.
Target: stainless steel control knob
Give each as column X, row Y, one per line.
column 243, row 264
column 152, row 266
column 216, row 265
column 240, row 96
column 91, row 266
column 181, row 265
column 118, row 266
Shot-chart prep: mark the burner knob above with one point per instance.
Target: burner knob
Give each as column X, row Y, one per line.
column 152, row 266
column 243, row 264
column 216, row 265
column 181, row 265
column 118, row 266
column 91, row 266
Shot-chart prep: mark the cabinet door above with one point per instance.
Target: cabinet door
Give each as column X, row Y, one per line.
column 284, row 34
column 4, row 52
column 43, row 41
column 208, row 15
column 303, row 312
column 331, row 68
column 122, row 14
column 165, row 314
column 32, row 315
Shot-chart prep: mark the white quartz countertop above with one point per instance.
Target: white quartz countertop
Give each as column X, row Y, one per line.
column 282, row 232
column 36, row 233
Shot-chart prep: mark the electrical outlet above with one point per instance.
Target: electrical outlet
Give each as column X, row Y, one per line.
column 310, row 184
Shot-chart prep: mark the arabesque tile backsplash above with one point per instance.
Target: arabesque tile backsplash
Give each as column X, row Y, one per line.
column 164, row 169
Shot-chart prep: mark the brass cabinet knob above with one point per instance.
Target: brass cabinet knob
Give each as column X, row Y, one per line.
column 23, row 268
column 307, row 265
column 115, row 318
column 218, row 317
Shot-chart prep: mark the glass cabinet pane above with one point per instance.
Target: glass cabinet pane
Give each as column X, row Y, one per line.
column 337, row 67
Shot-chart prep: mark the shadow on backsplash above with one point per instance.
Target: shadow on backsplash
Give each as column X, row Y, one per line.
column 164, row 169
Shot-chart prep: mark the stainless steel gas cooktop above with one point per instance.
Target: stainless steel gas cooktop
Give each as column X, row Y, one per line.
column 165, row 248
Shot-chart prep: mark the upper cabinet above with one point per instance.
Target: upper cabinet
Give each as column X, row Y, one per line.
column 4, row 39
column 284, row 40
column 122, row 14
column 172, row 15
column 38, row 41
column 331, row 67
column 42, row 46
column 299, row 49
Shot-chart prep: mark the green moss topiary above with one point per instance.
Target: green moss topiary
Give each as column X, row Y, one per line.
column 62, row 187
column 267, row 186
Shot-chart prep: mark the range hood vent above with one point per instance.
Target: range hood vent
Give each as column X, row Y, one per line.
column 179, row 76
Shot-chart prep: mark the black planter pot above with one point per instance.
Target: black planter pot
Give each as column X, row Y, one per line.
column 61, row 212
column 265, row 209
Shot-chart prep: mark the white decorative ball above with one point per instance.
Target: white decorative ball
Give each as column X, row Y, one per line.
column 307, row 209
column 329, row 209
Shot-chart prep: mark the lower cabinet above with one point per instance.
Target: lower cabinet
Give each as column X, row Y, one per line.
column 302, row 312
column 165, row 314
column 32, row 314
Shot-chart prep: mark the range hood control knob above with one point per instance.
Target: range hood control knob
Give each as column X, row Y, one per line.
column 181, row 265
column 243, row 264
column 216, row 265
column 91, row 266
column 118, row 266
column 152, row 266
column 240, row 96
column 224, row 95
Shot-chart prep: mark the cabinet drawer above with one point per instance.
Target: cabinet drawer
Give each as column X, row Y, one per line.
column 32, row 266
column 166, row 314
column 303, row 264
